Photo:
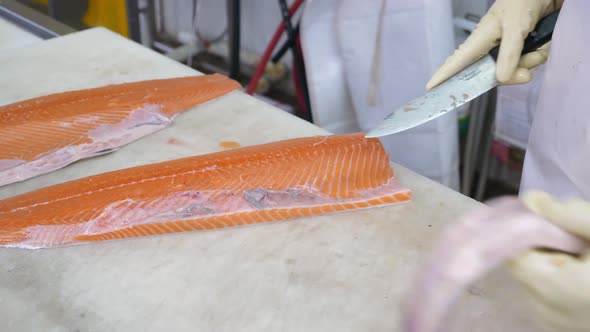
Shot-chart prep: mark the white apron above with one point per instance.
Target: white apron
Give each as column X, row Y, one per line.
column 558, row 154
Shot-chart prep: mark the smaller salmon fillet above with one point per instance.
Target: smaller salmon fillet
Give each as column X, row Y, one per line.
column 271, row 182
column 43, row 134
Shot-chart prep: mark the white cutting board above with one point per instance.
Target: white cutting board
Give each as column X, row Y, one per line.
column 12, row 36
column 345, row 272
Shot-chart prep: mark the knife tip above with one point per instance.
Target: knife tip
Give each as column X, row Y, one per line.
column 371, row 134
column 374, row 134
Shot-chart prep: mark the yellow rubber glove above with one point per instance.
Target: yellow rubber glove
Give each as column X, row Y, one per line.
column 559, row 284
column 508, row 22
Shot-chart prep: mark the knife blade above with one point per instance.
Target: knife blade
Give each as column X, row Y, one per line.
column 466, row 85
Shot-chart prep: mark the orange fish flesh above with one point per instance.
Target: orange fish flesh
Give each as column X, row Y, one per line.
column 43, row 134
column 271, row 182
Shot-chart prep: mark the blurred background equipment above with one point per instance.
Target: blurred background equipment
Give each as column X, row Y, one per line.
column 339, row 64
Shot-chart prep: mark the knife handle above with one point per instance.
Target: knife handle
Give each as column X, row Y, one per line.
column 540, row 36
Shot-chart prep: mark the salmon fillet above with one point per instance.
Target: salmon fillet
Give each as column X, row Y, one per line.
column 271, row 182
column 43, row 134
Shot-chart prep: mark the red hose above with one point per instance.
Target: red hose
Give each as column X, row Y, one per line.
column 268, row 52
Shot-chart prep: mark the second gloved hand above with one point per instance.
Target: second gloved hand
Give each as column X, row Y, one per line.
column 508, row 22
column 559, row 283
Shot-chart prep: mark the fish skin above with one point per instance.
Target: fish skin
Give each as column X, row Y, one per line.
column 482, row 241
column 43, row 134
column 270, row 182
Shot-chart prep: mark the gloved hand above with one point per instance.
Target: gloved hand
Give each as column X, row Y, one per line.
column 559, row 283
column 508, row 22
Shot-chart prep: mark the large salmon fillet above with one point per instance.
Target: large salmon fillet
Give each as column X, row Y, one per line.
column 271, row 182
column 46, row 133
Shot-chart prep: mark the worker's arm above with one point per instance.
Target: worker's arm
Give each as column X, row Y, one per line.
column 559, row 283
column 508, row 22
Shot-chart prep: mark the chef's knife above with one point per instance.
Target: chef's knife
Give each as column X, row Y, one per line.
column 463, row 87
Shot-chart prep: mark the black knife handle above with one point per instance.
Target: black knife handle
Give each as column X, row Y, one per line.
column 540, row 36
